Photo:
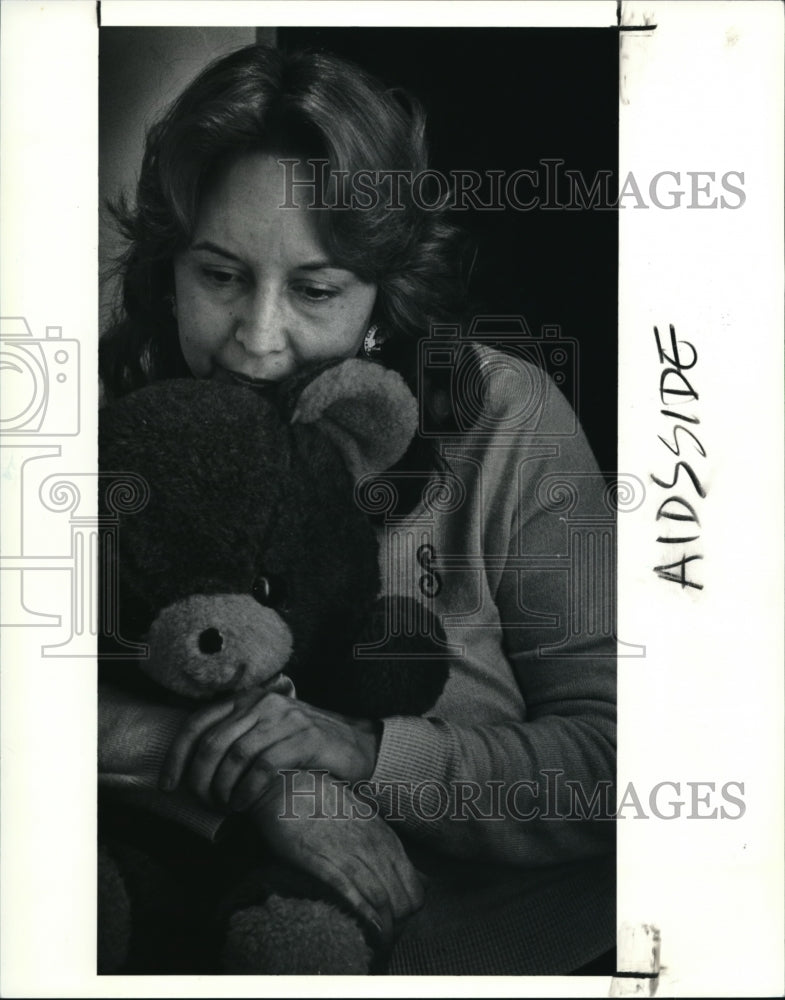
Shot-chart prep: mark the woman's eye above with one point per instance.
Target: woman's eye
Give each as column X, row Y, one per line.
column 270, row 591
column 315, row 293
column 222, row 279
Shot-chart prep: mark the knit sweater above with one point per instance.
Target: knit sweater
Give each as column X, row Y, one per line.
column 513, row 547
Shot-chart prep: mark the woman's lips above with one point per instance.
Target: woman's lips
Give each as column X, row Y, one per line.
column 237, row 378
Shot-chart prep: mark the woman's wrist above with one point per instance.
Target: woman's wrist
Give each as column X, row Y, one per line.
column 368, row 737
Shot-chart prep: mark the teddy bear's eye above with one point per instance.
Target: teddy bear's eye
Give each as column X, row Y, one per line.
column 269, row 591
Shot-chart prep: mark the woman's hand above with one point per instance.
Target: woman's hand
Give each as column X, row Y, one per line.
column 228, row 752
column 310, row 822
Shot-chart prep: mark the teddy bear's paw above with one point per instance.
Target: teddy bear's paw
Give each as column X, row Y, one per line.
column 295, row 937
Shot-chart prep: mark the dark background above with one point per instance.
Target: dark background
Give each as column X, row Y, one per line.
column 505, row 99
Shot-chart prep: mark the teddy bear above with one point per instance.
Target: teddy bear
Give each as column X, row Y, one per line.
column 247, row 562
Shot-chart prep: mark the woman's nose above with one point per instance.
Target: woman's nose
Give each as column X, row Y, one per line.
column 261, row 325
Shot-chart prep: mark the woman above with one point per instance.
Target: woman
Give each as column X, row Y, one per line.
column 246, row 263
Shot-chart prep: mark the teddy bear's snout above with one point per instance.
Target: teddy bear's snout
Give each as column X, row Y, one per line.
column 206, row 644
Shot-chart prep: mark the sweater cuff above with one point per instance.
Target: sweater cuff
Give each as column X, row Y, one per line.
column 413, row 769
column 142, row 759
column 413, row 749
column 180, row 807
column 134, row 738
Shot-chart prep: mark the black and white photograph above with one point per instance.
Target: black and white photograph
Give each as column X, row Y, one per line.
column 449, row 638
column 392, row 488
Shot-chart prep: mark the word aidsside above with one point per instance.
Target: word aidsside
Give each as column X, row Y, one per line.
column 685, row 491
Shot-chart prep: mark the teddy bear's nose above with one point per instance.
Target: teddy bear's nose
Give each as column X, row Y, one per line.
column 210, row 641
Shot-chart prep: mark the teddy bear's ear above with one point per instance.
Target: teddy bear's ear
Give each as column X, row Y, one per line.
column 367, row 411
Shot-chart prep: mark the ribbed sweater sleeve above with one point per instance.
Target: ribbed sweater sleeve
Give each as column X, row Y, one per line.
column 134, row 735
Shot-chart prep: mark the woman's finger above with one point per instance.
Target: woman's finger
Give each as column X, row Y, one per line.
column 179, row 752
column 412, row 887
column 297, row 750
column 304, row 740
column 225, row 751
column 249, row 788
column 399, row 900
column 211, row 749
column 383, row 894
column 244, row 766
column 284, row 740
column 361, row 890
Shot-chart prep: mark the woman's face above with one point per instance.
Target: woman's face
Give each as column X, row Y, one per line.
column 256, row 293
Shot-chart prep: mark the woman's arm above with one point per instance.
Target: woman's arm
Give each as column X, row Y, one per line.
column 545, row 518
column 516, row 792
column 134, row 735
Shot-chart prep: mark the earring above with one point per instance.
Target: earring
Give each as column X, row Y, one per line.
column 373, row 341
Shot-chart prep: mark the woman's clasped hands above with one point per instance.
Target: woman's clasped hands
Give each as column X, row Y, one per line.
column 229, row 751
column 231, row 755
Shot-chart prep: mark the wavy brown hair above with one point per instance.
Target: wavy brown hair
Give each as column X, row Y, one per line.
column 305, row 105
